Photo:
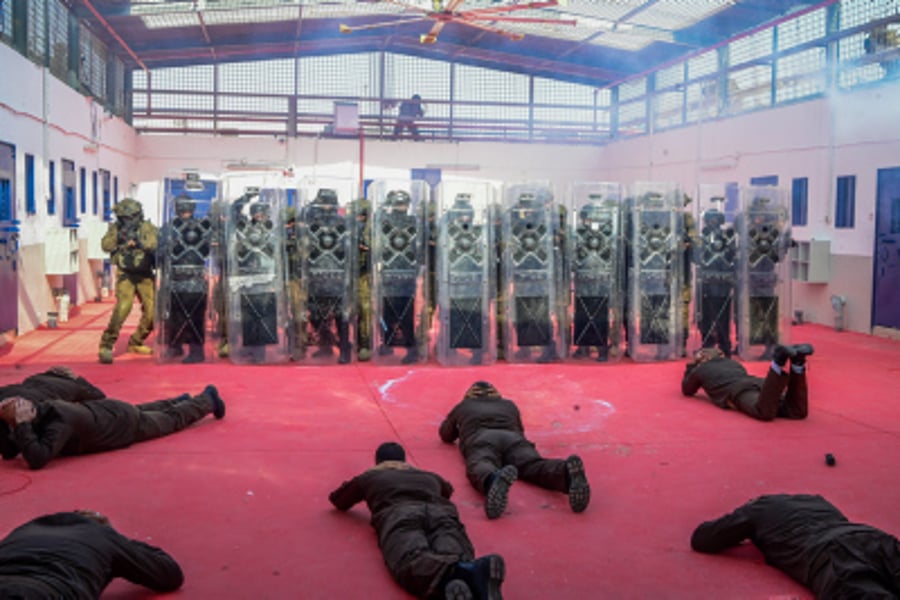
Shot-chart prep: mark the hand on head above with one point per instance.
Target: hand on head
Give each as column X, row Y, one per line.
column 62, row 371
column 94, row 516
column 707, row 354
column 17, row 410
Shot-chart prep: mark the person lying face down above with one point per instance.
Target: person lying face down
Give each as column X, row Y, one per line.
column 76, row 555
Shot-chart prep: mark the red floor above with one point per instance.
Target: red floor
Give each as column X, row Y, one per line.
column 242, row 503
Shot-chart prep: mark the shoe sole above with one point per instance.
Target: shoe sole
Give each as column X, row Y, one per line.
column 497, row 496
column 457, row 589
column 579, row 490
column 146, row 352
column 497, row 575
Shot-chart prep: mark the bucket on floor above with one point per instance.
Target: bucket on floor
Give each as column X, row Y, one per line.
column 52, row 319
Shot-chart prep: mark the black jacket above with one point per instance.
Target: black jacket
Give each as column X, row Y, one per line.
column 475, row 414
column 68, row 555
column 722, row 379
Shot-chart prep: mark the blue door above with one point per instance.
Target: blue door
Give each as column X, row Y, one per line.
column 9, row 240
column 886, row 280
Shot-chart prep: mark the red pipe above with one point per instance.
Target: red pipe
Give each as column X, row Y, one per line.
column 113, row 33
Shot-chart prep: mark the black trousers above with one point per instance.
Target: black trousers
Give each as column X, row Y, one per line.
column 421, row 543
column 782, row 395
column 863, row 565
column 163, row 417
column 491, row 449
column 715, row 322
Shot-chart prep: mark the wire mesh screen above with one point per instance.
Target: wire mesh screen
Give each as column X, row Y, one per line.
column 751, row 47
column 574, row 103
column 118, row 91
column 258, row 77
column 6, row 21
column 668, row 109
column 859, row 12
column 800, row 75
column 92, row 69
column 59, row 38
column 632, row 89
column 803, row 29
column 633, row 118
column 750, row 88
column 705, row 64
column 408, row 75
column 184, row 91
column 474, row 84
column 36, row 31
column 336, row 77
column 670, row 76
column 702, row 101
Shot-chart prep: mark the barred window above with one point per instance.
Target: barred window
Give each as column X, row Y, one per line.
column 59, row 38
column 474, row 84
column 702, row 100
column 751, row 47
column 705, row 64
column 800, row 75
column 630, row 90
column 633, row 118
column 36, row 33
column 806, row 28
column 749, row 88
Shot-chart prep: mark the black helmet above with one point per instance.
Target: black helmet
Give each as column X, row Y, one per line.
column 326, row 196
column 184, row 203
column 259, row 208
column 398, row 200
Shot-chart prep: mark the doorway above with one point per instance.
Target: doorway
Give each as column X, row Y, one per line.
column 886, row 279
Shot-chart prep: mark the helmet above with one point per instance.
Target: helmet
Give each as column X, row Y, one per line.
column 462, row 208
column 398, row 200
column 184, row 203
column 326, row 196
column 713, row 218
column 259, row 208
column 129, row 208
column 590, row 213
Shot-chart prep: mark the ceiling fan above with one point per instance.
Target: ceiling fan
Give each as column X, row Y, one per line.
column 479, row 18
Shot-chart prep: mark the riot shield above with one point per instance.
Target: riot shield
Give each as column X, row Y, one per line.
column 764, row 282
column 399, row 250
column 531, row 278
column 715, row 256
column 183, row 257
column 329, row 270
column 655, row 272
column 595, row 259
column 255, row 280
column 465, row 273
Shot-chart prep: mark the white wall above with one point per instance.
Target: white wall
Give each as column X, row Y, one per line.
column 44, row 117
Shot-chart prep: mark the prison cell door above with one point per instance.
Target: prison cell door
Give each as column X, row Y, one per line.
column 886, row 280
column 9, row 240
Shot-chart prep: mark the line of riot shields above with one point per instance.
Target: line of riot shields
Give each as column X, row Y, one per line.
column 469, row 274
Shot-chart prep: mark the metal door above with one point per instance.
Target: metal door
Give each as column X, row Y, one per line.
column 886, row 279
column 9, row 240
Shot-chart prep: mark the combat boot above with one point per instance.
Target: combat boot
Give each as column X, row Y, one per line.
column 800, row 352
column 457, row 589
column 106, row 356
column 483, row 576
column 498, row 490
column 364, row 354
column 781, row 354
column 579, row 490
column 195, row 355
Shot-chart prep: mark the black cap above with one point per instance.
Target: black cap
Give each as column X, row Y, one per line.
column 389, row 451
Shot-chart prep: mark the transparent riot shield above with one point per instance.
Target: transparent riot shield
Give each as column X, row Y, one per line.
column 255, row 280
column 183, row 258
column 595, row 259
column 715, row 257
column 531, row 277
column 399, row 263
column 329, row 269
column 655, row 272
column 465, row 275
column 764, row 229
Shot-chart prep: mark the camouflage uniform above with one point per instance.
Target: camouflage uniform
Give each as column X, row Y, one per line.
column 131, row 242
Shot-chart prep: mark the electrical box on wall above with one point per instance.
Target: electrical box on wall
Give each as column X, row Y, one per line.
column 811, row 261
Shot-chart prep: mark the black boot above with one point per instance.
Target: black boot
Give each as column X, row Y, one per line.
column 800, row 352
column 484, row 576
column 195, row 355
column 497, row 490
column 781, row 354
